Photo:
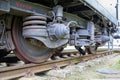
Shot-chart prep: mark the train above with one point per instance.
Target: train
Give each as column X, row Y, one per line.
column 35, row 30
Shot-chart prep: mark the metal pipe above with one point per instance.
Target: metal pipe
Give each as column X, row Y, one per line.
column 118, row 11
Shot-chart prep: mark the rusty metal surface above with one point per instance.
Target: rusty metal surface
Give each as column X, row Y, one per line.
column 17, row 71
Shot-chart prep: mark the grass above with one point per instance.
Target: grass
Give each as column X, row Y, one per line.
column 117, row 65
column 116, row 51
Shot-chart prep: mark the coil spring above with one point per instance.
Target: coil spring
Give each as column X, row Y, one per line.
column 34, row 22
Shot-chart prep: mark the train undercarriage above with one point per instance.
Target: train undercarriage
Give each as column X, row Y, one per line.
column 35, row 29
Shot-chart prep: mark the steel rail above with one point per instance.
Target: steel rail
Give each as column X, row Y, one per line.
column 18, row 71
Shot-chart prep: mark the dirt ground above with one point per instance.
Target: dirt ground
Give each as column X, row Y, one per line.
column 85, row 71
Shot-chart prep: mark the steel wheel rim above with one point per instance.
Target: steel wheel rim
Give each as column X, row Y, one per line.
column 21, row 45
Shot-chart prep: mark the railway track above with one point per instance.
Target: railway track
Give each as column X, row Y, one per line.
column 12, row 72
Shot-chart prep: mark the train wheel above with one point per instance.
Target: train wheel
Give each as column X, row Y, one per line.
column 24, row 49
column 91, row 49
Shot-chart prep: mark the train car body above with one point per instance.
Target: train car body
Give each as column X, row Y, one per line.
column 36, row 29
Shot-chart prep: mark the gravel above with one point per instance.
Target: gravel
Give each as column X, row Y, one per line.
column 81, row 71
